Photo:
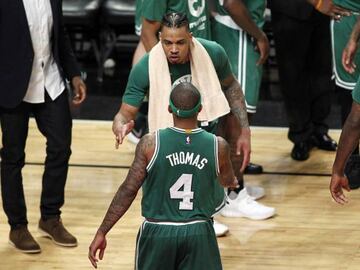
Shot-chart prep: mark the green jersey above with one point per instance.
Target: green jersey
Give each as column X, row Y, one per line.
column 353, row 5
column 356, row 92
column 181, row 184
column 138, row 16
column 196, row 11
column 256, row 9
column 138, row 82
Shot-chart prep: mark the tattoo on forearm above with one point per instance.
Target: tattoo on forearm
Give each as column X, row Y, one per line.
column 129, row 188
column 236, row 101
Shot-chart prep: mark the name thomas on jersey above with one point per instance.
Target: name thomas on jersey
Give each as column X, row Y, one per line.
column 187, row 158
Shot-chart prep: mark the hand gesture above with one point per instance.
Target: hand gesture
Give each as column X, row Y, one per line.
column 121, row 129
column 99, row 243
column 337, row 184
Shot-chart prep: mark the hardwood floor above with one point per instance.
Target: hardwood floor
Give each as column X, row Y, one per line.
column 308, row 232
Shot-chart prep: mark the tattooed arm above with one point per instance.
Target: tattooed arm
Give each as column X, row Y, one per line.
column 124, row 196
column 227, row 177
column 237, row 120
column 236, row 99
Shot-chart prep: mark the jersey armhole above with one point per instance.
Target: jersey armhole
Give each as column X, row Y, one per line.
column 153, row 158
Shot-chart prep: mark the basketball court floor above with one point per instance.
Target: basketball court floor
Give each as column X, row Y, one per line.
column 308, row 232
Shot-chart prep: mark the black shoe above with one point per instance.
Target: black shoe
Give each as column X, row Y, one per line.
column 324, row 142
column 253, row 168
column 352, row 171
column 301, row 151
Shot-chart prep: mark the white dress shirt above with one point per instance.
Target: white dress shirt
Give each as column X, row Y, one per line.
column 45, row 74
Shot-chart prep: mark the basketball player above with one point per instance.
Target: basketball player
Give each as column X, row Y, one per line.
column 175, row 41
column 345, row 81
column 350, row 134
column 179, row 170
column 237, row 27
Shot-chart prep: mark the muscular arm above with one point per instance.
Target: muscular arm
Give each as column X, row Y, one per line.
column 129, row 188
column 227, row 177
column 236, row 99
column 348, row 140
column 149, row 33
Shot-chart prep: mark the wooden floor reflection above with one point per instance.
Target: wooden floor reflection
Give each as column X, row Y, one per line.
column 308, row 232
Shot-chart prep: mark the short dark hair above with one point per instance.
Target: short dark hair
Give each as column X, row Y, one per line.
column 175, row 20
column 185, row 96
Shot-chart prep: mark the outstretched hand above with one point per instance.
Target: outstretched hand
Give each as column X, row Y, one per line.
column 120, row 130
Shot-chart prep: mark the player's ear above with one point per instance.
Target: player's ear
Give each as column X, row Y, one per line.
column 169, row 109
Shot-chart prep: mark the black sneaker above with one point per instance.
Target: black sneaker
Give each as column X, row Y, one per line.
column 253, row 168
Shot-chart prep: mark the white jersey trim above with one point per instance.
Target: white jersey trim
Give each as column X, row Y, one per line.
column 338, row 80
column 156, row 152
column 175, row 223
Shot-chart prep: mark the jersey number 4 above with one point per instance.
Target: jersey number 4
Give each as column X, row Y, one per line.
column 186, row 195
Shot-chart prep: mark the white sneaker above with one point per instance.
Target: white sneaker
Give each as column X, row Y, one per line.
column 220, row 229
column 132, row 138
column 255, row 192
column 246, row 206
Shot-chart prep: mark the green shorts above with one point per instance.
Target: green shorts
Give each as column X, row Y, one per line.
column 356, row 92
column 340, row 33
column 243, row 57
column 177, row 246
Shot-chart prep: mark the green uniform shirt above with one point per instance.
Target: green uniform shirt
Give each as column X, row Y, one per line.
column 353, row 5
column 197, row 13
column 256, row 9
column 138, row 16
column 356, row 92
column 182, row 184
column 138, row 82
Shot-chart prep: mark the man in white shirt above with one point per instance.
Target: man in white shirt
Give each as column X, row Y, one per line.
column 36, row 58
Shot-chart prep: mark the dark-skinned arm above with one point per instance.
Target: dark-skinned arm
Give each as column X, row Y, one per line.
column 227, row 177
column 236, row 100
column 240, row 15
column 328, row 8
column 349, row 138
column 123, row 122
column 124, row 196
column 149, row 33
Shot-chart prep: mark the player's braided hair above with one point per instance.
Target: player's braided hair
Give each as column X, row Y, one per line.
column 175, row 20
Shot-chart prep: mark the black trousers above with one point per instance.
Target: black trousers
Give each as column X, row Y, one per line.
column 304, row 60
column 54, row 121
